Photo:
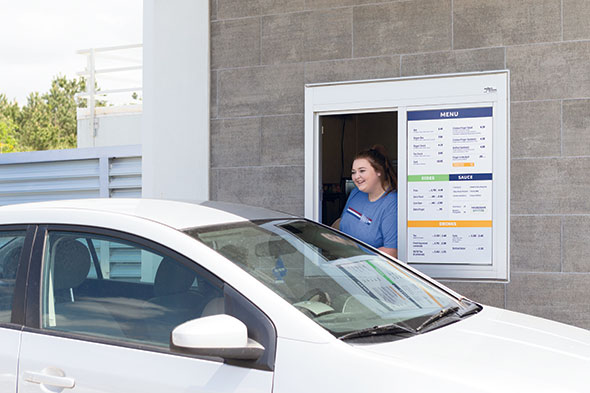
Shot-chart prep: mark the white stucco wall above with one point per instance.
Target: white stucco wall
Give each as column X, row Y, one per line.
column 176, row 99
column 115, row 126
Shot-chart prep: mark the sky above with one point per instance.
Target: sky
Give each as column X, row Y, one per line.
column 39, row 40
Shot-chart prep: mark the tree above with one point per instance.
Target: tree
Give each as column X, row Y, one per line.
column 8, row 114
column 38, row 129
column 8, row 109
column 47, row 121
column 7, row 132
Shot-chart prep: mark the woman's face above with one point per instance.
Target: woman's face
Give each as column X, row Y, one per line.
column 365, row 177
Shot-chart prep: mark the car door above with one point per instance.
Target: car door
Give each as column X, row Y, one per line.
column 14, row 251
column 100, row 310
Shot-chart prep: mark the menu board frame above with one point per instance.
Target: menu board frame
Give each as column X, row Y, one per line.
column 456, row 199
column 450, row 184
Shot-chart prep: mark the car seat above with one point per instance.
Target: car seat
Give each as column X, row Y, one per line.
column 174, row 301
column 73, row 313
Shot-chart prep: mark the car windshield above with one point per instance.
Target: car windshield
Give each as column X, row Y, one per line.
column 341, row 284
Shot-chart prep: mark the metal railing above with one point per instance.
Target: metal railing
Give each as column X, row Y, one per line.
column 112, row 54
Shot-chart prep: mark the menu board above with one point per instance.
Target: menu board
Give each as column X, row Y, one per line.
column 450, row 186
column 380, row 286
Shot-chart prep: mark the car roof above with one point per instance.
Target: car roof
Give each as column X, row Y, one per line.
column 176, row 214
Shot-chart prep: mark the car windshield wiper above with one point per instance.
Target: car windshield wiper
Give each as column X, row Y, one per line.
column 460, row 312
column 470, row 308
column 391, row 328
column 438, row 316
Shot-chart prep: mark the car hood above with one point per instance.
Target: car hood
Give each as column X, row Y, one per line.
column 498, row 350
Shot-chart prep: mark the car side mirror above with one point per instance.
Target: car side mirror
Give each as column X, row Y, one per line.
column 217, row 335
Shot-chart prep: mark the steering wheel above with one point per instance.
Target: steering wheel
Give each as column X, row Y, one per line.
column 317, row 295
column 315, row 303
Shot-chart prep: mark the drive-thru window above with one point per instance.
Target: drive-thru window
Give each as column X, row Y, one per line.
column 448, row 136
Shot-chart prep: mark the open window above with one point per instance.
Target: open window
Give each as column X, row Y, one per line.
column 342, row 136
column 106, row 286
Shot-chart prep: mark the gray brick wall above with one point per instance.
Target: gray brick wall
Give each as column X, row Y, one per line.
column 264, row 51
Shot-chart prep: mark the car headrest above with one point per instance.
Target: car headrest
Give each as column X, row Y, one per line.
column 10, row 264
column 172, row 277
column 71, row 264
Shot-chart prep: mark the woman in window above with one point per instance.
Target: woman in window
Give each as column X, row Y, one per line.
column 370, row 214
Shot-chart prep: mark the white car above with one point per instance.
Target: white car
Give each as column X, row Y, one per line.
column 126, row 295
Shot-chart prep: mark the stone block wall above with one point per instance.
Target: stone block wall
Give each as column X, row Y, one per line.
column 264, row 51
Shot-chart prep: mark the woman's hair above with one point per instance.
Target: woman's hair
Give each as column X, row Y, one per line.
column 377, row 157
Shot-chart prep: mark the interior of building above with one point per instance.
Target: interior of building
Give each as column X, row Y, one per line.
column 342, row 137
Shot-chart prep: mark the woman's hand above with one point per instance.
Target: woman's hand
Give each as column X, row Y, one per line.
column 389, row 251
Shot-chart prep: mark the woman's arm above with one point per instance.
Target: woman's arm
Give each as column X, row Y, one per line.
column 390, row 251
column 336, row 224
column 388, row 226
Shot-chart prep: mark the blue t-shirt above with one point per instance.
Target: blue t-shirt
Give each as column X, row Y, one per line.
column 374, row 223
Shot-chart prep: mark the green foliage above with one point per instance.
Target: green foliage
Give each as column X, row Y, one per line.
column 8, row 114
column 47, row 121
column 8, row 109
column 7, row 135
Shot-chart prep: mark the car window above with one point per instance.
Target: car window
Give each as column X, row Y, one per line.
column 11, row 246
column 113, row 288
column 339, row 283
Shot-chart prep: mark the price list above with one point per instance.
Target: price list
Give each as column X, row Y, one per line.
column 450, row 186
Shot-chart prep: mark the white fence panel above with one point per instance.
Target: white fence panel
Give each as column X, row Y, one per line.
column 125, row 177
column 108, row 172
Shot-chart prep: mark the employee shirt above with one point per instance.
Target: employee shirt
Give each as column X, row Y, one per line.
column 374, row 223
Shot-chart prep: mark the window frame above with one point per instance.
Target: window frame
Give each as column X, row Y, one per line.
column 34, row 293
column 17, row 316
